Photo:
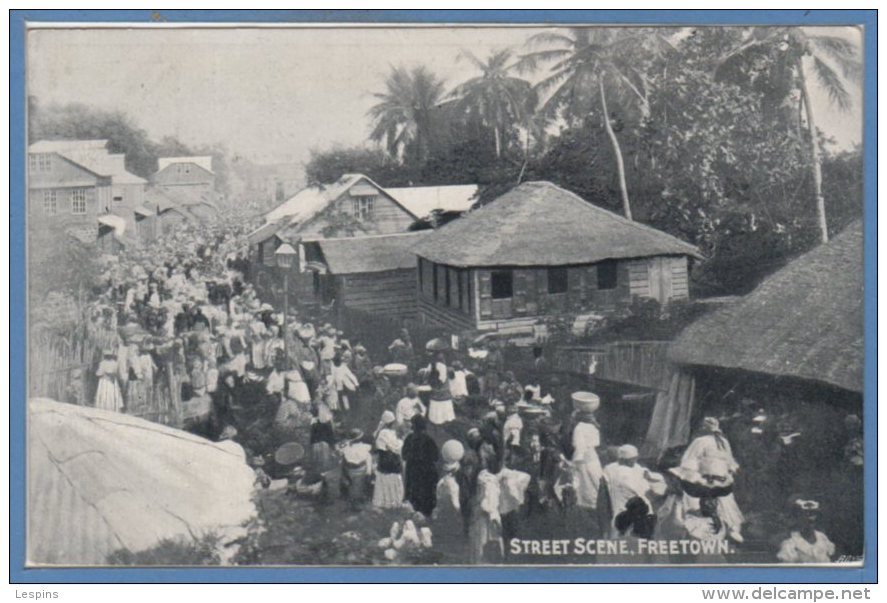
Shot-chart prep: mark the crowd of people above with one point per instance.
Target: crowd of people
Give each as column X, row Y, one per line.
column 454, row 435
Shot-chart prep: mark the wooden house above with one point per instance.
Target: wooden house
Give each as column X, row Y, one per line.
column 65, row 196
column 185, row 173
column 540, row 250
column 118, row 191
column 354, row 206
column 375, row 274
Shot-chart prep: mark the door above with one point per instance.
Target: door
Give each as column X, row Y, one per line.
column 660, row 279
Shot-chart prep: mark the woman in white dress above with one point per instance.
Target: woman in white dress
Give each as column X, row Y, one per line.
column 711, row 449
column 388, row 490
column 108, row 396
column 485, row 541
column 440, row 407
column 806, row 544
column 586, row 439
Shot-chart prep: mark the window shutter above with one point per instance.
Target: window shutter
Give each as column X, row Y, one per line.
column 519, row 299
column 486, row 293
column 532, row 292
column 590, row 279
column 575, row 279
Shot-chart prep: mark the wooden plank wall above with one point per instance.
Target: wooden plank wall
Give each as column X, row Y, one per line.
column 452, row 320
column 391, row 293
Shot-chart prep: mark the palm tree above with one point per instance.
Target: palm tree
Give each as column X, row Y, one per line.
column 403, row 116
column 794, row 52
column 495, row 98
column 588, row 65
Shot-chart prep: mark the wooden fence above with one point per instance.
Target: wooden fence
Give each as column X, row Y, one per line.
column 642, row 363
column 62, row 366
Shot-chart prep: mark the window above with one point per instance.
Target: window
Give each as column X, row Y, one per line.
column 118, row 198
column 502, row 284
column 607, row 274
column 50, row 203
column 364, row 207
column 557, row 280
column 78, row 201
column 434, row 281
column 40, row 162
column 183, row 168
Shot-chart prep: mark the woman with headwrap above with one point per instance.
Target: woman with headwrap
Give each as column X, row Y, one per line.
column 712, row 450
column 388, row 490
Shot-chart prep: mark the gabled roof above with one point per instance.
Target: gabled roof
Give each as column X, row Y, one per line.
column 308, row 203
column 64, row 146
column 540, row 224
column 203, row 161
column 92, row 155
column 803, row 321
column 265, row 231
column 422, row 200
column 350, row 255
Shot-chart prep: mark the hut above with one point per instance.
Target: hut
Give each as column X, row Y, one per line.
column 540, row 250
column 783, row 369
column 374, row 274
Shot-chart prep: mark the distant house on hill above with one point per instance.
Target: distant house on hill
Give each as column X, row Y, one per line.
column 540, row 250
column 190, row 183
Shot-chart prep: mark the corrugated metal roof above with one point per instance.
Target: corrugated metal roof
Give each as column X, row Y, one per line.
column 541, row 224
column 308, row 202
column 370, row 254
column 114, row 221
column 422, row 200
column 61, row 146
column 101, row 481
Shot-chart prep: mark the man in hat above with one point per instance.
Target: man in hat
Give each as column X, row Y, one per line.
column 627, row 479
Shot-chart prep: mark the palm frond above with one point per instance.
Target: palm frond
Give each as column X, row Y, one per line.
column 842, row 53
column 471, row 58
column 832, row 84
column 530, row 62
column 548, row 37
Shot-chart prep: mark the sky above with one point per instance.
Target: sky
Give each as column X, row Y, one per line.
column 273, row 94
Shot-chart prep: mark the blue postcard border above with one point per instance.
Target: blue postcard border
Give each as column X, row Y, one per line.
column 17, row 144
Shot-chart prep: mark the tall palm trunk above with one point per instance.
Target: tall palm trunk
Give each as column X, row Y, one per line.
column 815, row 156
column 617, row 151
column 498, row 142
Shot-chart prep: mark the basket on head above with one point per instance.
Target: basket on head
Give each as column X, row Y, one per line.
column 586, row 401
column 452, row 451
column 395, row 369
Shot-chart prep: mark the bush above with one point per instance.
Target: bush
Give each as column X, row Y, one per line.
column 199, row 551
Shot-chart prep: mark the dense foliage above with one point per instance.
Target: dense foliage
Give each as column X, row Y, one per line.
column 710, row 125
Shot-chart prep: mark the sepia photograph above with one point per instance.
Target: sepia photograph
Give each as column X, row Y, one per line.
column 462, row 295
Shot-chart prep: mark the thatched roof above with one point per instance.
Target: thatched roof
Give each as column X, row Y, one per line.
column 540, row 224
column 804, row 321
column 354, row 255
